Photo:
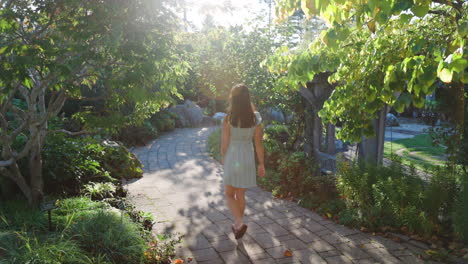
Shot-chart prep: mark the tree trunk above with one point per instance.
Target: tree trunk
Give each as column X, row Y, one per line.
column 330, row 139
column 309, row 125
column 370, row 150
column 317, row 132
column 13, row 173
column 35, row 172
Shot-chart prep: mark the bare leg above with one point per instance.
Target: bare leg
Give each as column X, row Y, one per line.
column 240, row 199
column 233, row 205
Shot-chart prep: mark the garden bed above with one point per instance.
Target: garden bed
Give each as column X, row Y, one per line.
column 390, row 201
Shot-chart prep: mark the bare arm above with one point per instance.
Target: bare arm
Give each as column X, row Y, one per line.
column 260, row 150
column 226, row 132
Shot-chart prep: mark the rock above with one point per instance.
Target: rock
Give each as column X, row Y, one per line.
column 290, row 118
column 189, row 114
column 208, row 121
column 110, row 143
column 182, row 121
column 391, row 121
column 338, row 144
column 274, row 114
column 194, row 112
column 219, row 116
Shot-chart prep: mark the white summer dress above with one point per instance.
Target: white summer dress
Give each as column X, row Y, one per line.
column 239, row 162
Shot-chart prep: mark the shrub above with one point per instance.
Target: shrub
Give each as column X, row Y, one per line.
column 69, row 163
column 71, row 209
column 120, row 162
column 214, row 143
column 17, row 215
column 273, row 147
column 460, row 209
column 164, row 120
column 110, row 234
column 137, row 135
column 85, row 231
column 395, row 196
column 441, row 194
column 99, row 190
column 279, row 133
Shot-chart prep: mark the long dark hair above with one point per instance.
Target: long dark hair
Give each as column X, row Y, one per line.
column 241, row 110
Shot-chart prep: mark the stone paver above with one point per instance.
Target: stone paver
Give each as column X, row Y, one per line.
column 182, row 187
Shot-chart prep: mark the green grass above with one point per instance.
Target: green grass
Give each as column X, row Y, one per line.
column 214, row 143
column 417, row 151
column 84, row 232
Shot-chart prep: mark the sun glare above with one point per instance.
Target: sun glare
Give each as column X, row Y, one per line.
column 224, row 13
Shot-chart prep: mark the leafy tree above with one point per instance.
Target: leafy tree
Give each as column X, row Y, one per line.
column 221, row 57
column 383, row 53
column 51, row 50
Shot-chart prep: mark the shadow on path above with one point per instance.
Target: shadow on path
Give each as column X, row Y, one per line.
column 182, row 187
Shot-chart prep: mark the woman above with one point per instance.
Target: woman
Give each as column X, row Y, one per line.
column 240, row 125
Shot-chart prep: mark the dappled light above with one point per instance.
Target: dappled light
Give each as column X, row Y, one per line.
column 206, row 131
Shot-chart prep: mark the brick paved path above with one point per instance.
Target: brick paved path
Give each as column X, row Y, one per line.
column 182, row 187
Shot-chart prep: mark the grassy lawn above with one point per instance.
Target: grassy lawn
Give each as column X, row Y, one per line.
column 418, row 151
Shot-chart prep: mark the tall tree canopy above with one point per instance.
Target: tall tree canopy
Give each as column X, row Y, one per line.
column 119, row 52
column 381, row 53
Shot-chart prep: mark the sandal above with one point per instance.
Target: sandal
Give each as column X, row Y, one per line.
column 239, row 233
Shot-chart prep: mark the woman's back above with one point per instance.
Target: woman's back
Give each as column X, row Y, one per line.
column 244, row 134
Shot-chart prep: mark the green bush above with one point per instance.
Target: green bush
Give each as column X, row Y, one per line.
column 398, row 197
column 17, row 215
column 460, row 209
column 164, row 121
column 110, row 234
column 441, row 194
column 121, row 163
column 214, row 143
column 279, row 133
column 296, row 174
column 137, row 135
column 99, row 190
column 70, row 163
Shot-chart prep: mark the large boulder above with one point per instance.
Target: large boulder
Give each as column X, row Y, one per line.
column 274, row 114
column 189, row 113
column 194, row 112
column 182, row 121
column 207, row 121
column 219, row 117
column 391, row 121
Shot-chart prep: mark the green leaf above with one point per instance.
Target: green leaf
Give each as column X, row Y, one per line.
column 458, row 65
column 404, row 100
column 463, row 29
column 405, row 18
column 420, row 11
column 418, row 101
column 28, row 83
column 445, row 75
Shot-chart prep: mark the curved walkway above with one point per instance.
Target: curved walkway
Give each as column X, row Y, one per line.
column 182, row 187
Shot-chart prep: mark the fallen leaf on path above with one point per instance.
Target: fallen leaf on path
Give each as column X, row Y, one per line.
column 178, row 261
column 287, row 253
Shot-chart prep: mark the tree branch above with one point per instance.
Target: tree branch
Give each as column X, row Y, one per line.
column 4, row 163
column 439, row 12
column 83, row 132
column 308, row 95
